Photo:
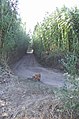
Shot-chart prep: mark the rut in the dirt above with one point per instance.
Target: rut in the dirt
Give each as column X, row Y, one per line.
column 27, row 66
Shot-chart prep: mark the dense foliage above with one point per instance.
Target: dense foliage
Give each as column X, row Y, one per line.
column 57, row 35
column 57, row 39
column 69, row 93
column 13, row 38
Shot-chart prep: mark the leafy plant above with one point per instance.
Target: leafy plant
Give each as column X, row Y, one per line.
column 58, row 32
column 13, row 38
column 69, row 94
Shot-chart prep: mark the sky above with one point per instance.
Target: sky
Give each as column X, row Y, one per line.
column 33, row 11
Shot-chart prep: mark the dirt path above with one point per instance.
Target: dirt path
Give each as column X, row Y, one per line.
column 25, row 99
column 21, row 98
column 27, row 66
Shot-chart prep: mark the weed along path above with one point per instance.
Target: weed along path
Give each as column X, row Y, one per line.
column 28, row 66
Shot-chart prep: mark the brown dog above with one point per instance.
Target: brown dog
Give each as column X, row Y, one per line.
column 37, row 76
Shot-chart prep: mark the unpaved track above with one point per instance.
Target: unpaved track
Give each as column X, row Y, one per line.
column 21, row 98
column 27, row 66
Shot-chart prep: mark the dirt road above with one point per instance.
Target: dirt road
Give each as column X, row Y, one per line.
column 21, row 98
column 28, row 66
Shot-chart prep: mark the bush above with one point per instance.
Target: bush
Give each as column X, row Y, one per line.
column 69, row 94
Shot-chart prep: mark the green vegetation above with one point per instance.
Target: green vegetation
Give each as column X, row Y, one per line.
column 57, row 35
column 69, row 93
column 57, row 38
column 13, row 39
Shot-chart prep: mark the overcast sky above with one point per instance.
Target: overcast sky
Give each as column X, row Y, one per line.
column 33, row 11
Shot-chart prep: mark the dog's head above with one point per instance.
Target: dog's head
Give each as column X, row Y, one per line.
column 37, row 76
